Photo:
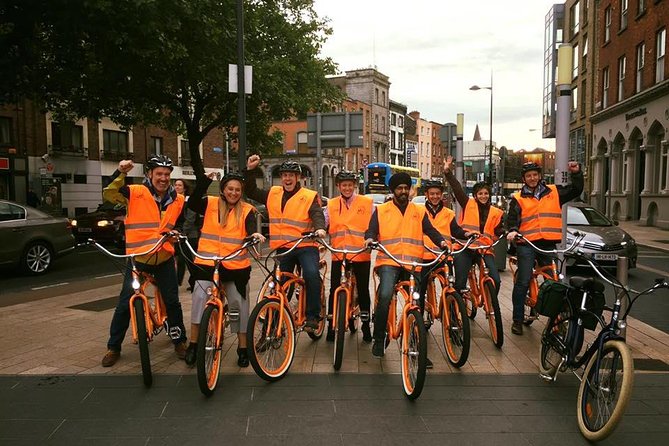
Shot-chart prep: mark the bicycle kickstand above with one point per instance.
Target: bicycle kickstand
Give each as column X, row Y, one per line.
column 548, row 378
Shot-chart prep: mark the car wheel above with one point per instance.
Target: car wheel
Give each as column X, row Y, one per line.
column 37, row 258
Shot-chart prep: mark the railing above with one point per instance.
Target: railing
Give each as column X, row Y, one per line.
column 68, row 151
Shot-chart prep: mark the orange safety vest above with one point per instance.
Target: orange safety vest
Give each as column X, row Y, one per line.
column 470, row 219
column 541, row 219
column 442, row 223
column 218, row 241
column 144, row 224
column 348, row 225
column 401, row 235
column 290, row 223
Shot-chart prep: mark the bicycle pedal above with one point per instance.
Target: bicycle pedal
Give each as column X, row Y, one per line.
column 546, row 377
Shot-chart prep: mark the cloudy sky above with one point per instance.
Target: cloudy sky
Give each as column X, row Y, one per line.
column 434, row 50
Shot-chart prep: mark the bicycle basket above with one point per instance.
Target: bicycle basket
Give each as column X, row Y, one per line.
column 594, row 305
column 552, row 298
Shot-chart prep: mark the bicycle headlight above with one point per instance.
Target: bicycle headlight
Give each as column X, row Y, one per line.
column 415, row 295
column 135, row 284
column 622, row 324
column 209, row 291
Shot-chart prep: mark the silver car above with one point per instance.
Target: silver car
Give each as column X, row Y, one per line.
column 604, row 241
column 30, row 239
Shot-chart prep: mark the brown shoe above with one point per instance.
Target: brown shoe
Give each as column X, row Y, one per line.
column 517, row 328
column 110, row 358
column 180, row 350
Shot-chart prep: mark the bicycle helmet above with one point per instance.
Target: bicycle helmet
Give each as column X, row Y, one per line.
column 159, row 161
column 231, row 176
column 345, row 175
column 529, row 167
column 429, row 184
column 481, row 185
column 290, row 166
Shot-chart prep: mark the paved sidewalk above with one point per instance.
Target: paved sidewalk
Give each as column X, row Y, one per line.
column 649, row 236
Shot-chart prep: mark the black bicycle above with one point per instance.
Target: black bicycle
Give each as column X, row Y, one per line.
column 608, row 367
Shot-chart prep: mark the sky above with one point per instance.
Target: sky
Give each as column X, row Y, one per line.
column 434, row 50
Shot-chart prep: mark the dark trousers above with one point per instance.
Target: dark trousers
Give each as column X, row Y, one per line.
column 166, row 280
column 361, row 272
column 463, row 263
column 308, row 259
column 185, row 262
column 526, row 258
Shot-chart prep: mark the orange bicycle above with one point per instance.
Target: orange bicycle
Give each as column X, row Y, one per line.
column 482, row 293
column 405, row 321
column 212, row 323
column 449, row 309
column 274, row 324
column 345, row 308
column 148, row 315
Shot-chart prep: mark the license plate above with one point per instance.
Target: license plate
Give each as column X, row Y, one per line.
column 85, row 229
column 606, row 256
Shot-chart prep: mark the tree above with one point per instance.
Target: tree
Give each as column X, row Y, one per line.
column 165, row 62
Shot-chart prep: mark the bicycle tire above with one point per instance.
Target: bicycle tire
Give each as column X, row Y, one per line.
column 318, row 332
column 591, row 429
column 143, row 342
column 455, row 329
column 209, row 345
column 494, row 315
column 268, row 340
column 414, row 355
column 340, row 330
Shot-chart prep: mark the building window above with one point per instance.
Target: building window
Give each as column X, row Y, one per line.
column 623, row 14
column 660, row 51
column 622, row 65
column 184, row 153
column 392, row 140
column 114, row 141
column 5, row 131
column 607, row 24
column 663, row 166
column 626, row 162
column 401, row 122
column 302, row 142
column 584, row 59
column 574, row 102
column 79, row 179
column 393, row 119
column 642, row 7
column 605, row 87
column 383, row 124
column 376, row 123
column 67, row 136
column 575, row 58
column 156, row 145
column 574, row 19
column 376, row 95
column 583, row 98
column 640, row 62
column 383, row 98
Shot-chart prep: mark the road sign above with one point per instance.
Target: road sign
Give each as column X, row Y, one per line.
column 337, row 130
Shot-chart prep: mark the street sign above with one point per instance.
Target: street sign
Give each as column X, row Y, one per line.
column 337, row 130
column 232, row 79
column 4, row 163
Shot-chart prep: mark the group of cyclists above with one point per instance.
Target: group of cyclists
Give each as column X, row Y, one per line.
column 351, row 220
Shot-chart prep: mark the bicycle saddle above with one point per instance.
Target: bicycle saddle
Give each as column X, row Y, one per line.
column 586, row 284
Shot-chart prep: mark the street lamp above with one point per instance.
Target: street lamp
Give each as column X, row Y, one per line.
column 475, row 88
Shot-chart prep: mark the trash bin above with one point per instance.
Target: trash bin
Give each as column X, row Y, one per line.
column 500, row 255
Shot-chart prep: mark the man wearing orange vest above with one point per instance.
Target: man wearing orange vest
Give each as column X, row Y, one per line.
column 400, row 226
column 478, row 215
column 292, row 211
column 536, row 212
column 153, row 208
column 347, row 218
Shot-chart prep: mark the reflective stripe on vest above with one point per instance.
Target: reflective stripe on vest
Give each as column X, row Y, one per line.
column 442, row 223
column 218, row 241
column 402, row 235
column 144, row 222
column 348, row 225
column 470, row 221
column 289, row 223
column 541, row 219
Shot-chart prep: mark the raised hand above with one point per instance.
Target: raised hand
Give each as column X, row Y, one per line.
column 252, row 162
column 448, row 164
column 125, row 166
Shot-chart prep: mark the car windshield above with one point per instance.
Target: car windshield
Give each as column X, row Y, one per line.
column 586, row 216
column 108, row 206
column 378, row 198
column 420, row 199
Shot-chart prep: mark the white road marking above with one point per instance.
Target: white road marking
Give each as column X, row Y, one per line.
column 108, row 275
column 50, row 286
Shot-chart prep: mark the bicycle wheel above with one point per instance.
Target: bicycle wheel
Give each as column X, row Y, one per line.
column 143, row 341
column 209, row 343
column 271, row 346
column 605, row 391
column 414, row 354
column 455, row 329
column 493, row 314
column 554, row 336
column 340, row 330
column 318, row 332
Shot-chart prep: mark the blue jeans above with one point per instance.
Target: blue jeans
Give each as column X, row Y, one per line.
column 526, row 258
column 388, row 278
column 463, row 263
column 165, row 275
column 308, row 259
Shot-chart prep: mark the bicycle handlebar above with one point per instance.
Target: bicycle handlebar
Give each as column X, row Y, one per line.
column 469, row 241
column 492, row 245
column 159, row 243
column 377, row 245
column 341, row 251
column 578, row 236
column 248, row 242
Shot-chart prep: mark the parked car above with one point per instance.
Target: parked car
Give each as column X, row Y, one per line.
column 378, row 198
column 419, row 200
column 31, row 239
column 105, row 225
column 604, row 241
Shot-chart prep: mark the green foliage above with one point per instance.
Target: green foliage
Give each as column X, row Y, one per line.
column 165, row 62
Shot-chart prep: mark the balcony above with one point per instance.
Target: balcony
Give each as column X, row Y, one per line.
column 73, row 151
column 113, row 155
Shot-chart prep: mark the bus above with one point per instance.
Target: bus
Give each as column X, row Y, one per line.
column 378, row 175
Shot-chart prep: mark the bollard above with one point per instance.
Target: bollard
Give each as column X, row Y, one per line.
column 259, row 222
column 622, row 272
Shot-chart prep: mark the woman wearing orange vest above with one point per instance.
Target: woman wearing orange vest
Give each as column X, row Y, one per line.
column 227, row 221
column 478, row 215
column 536, row 212
column 347, row 218
column 153, row 208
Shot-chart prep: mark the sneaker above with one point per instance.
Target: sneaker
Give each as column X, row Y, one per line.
column 330, row 335
column 378, row 349
column 180, row 350
column 428, row 363
column 366, row 333
column 191, row 354
column 311, row 325
column 517, row 328
column 243, row 357
column 110, row 358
